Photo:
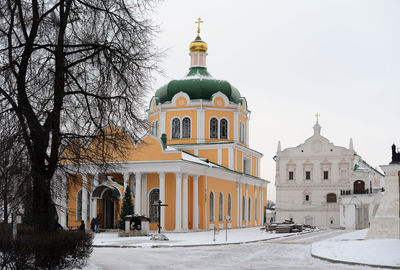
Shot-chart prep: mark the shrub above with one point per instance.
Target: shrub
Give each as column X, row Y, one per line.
column 58, row 250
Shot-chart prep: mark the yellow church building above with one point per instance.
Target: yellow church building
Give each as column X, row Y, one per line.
column 195, row 158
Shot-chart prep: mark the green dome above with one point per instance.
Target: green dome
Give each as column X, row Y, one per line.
column 198, row 84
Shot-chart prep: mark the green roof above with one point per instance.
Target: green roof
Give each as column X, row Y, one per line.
column 198, row 84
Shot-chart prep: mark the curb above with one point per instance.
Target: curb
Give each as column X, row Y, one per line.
column 197, row 245
column 354, row 263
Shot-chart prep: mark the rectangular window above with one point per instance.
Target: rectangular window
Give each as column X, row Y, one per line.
column 308, row 175
column 307, row 198
column 291, row 175
column 326, row 175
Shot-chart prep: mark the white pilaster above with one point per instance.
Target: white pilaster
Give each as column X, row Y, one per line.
column 236, row 126
column 162, row 123
column 247, row 130
column 195, row 202
column 261, row 218
column 200, row 125
column 237, row 206
column 185, row 203
column 219, row 156
column 144, row 195
column 246, row 210
column 230, row 157
column 84, row 197
column 162, row 198
column 240, row 205
column 138, row 193
column 178, row 203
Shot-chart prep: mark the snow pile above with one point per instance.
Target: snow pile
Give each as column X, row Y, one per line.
column 353, row 248
column 187, row 238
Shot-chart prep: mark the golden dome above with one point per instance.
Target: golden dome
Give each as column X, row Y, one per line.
column 198, row 45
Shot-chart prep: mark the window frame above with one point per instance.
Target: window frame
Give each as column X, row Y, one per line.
column 213, row 134
column 175, row 135
column 184, row 131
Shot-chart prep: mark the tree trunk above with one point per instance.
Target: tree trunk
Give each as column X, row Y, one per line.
column 43, row 210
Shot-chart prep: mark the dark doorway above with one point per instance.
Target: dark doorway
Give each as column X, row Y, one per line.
column 108, row 209
column 359, row 187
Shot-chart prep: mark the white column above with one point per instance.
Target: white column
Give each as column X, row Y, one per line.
column 178, row 203
column 219, row 156
column 64, row 199
column 261, row 218
column 138, row 192
column 246, row 210
column 240, row 205
column 94, row 201
column 84, row 197
column 162, row 198
column 185, row 207
column 144, row 195
column 195, row 202
column 262, row 204
column 126, row 181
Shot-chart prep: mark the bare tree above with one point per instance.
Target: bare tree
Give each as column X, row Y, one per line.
column 68, row 69
column 14, row 166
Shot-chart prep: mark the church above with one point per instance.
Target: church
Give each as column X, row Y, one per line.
column 321, row 184
column 196, row 159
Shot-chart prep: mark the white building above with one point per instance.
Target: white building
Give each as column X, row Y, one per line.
column 318, row 183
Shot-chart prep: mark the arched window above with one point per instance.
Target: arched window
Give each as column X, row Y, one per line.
column 79, row 205
column 255, row 209
column 211, row 207
column 331, row 198
column 223, row 129
column 244, row 209
column 221, row 207
column 230, row 205
column 154, row 196
column 249, row 212
column 176, row 128
column 214, row 128
column 186, row 127
column 359, row 187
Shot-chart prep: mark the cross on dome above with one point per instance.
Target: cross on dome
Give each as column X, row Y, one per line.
column 199, row 21
column 317, row 115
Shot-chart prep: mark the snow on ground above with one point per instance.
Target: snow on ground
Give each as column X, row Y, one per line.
column 353, row 247
column 187, row 238
column 254, row 256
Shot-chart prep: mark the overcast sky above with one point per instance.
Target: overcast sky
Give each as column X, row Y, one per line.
column 292, row 59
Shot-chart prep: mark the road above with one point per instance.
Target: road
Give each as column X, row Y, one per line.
column 285, row 253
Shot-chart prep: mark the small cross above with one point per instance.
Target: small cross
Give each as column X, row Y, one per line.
column 317, row 116
column 199, row 21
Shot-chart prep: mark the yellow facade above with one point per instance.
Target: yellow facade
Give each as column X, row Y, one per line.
column 204, row 173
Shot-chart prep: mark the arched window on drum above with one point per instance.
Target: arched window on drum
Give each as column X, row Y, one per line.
column 176, row 128
column 214, row 128
column 186, row 127
column 223, row 129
